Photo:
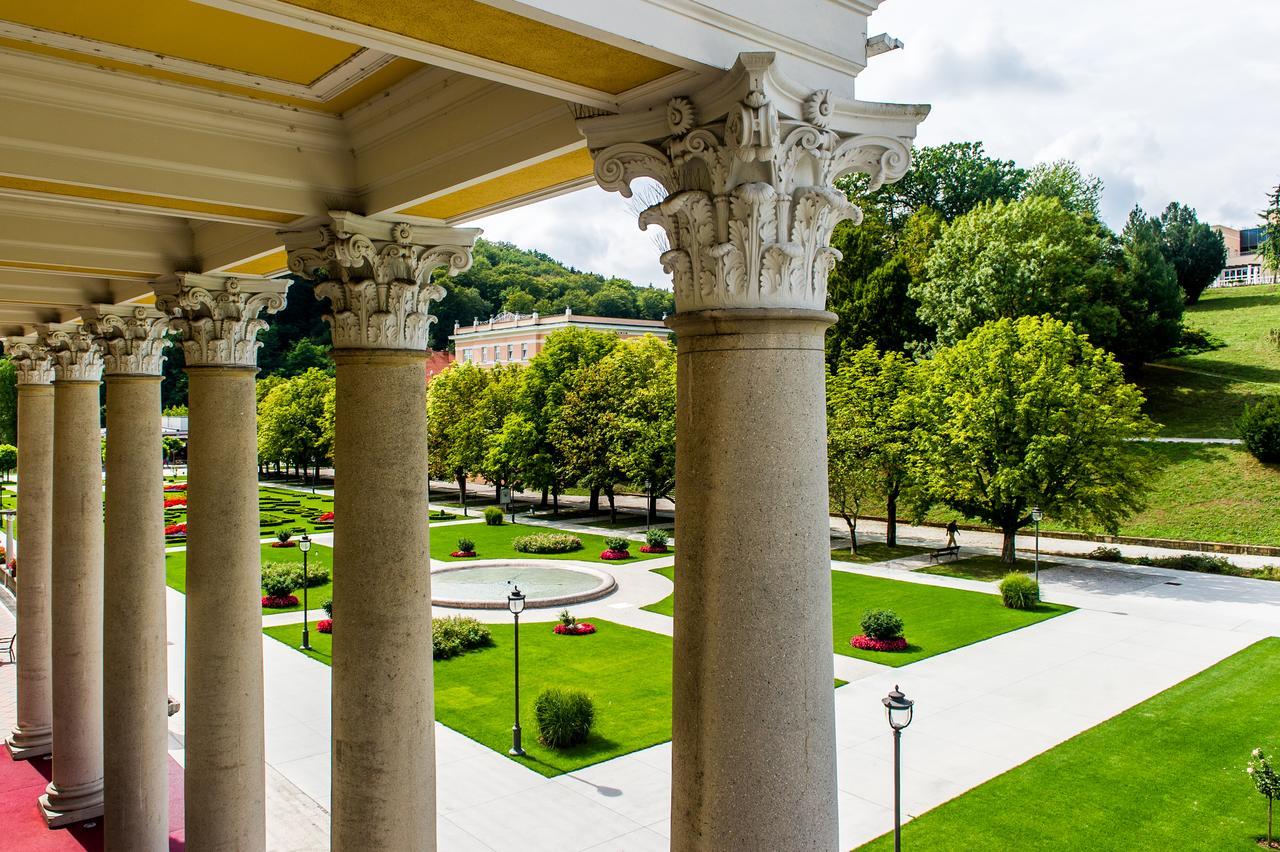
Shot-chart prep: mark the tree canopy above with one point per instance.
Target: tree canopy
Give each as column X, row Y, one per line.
column 1063, row 180
column 1196, row 251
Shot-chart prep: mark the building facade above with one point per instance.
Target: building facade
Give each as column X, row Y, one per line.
column 515, row 338
column 1245, row 264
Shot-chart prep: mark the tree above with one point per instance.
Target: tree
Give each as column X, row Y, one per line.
column 646, row 368
column 1269, row 248
column 1025, row 413
column 8, row 459
column 305, row 354
column 1148, row 296
column 587, row 431
column 499, row 401
column 8, row 402
column 871, row 408
column 455, row 429
column 1063, row 180
column 851, row 476
column 952, row 179
column 291, row 421
column 1197, row 252
column 1022, row 258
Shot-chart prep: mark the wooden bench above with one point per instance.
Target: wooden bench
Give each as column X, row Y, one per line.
column 942, row 552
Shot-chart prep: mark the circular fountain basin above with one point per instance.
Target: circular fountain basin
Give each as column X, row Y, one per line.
column 545, row 583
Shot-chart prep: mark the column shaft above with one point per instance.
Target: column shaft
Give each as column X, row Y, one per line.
column 76, row 790
column 33, row 735
column 225, row 770
column 135, row 721
column 383, row 709
column 753, row 726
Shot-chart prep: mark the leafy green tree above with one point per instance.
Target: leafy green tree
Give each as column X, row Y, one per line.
column 1025, row 413
column 655, row 303
column 1063, row 180
column 305, row 354
column 587, row 433
column 499, row 401
column 455, row 425
column 8, row 402
column 952, row 179
column 170, row 448
column 851, row 476
column 291, row 427
column 1148, row 296
column 871, row 411
column 644, row 369
column 519, row 302
column 1197, row 252
column 1270, row 247
column 1022, row 258
column 8, row 459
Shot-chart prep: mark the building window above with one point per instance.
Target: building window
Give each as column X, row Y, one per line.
column 524, row 352
column 511, row 351
column 484, row 354
column 466, row 355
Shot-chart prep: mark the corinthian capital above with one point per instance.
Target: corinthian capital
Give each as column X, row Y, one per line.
column 217, row 317
column 75, row 354
column 132, row 337
column 30, row 360
column 748, row 167
column 377, row 275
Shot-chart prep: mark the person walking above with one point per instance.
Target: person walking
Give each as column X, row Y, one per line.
column 952, row 529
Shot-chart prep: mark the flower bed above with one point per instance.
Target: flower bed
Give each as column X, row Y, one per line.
column 176, row 486
column 615, row 554
column 463, row 554
column 280, row 602
column 325, row 625
column 866, row 643
column 325, row 518
column 176, row 530
column 581, row 628
column 175, row 503
column 653, row 548
column 284, row 543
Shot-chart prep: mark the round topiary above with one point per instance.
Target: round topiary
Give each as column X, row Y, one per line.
column 546, row 543
column 493, row 516
column 1019, row 591
column 1259, row 426
column 882, row 624
column 564, row 717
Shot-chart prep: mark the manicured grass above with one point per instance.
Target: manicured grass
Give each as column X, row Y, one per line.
column 937, row 619
column 278, row 508
column 1166, row 774
column 627, row 673
column 983, row 567
column 1205, row 396
column 495, row 543
column 875, row 551
column 175, row 570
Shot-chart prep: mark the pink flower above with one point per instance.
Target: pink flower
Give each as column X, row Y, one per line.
column 269, row 602
column 615, row 554
column 326, row 518
column 325, row 625
column 866, row 643
column 582, row 628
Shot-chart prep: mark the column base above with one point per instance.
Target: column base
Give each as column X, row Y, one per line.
column 28, row 744
column 63, row 807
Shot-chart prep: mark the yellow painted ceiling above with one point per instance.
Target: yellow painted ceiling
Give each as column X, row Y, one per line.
column 549, row 173
column 501, row 36
column 187, row 30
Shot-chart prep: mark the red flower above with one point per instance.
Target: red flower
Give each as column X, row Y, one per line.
column 653, row 548
column 326, row 518
column 176, row 486
column 866, row 643
column 175, row 502
column 616, row 554
column 176, row 529
column 462, row 554
column 325, row 625
column 279, row 603
column 582, row 628
column 284, row 544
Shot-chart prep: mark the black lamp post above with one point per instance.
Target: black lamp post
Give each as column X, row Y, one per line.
column 515, row 603
column 897, row 708
column 304, row 544
column 1037, row 516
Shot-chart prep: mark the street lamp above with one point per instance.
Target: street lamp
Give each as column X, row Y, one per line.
column 304, row 544
column 515, row 603
column 1037, row 516
column 897, row 707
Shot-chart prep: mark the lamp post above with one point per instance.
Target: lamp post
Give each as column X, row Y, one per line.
column 304, row 544
column 1037, row 516
column 515, row 603
column 897, row 707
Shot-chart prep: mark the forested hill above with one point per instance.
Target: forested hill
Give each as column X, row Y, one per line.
column 503, row 277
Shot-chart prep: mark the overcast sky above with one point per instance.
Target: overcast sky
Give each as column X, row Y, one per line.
column 1163, row 99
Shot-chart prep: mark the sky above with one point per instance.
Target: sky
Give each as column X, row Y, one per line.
column 1163, row 99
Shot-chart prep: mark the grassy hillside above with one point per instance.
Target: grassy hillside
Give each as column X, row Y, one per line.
column 1200, row 396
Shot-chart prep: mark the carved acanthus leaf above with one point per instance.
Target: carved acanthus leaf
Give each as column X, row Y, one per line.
column 73, row 351
column 132, row 338
column 30, row 359
column 217, row 318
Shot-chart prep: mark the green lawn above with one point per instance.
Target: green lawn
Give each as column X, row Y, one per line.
column 627, row 672
column 1166, row 774
column 982, row 567
column 175, row 571
column 1204, row 396
column 937, row 619
column 875, row 551
column 278, row 509
column 495, row 543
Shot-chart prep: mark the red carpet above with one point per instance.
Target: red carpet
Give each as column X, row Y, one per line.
column 22, row 826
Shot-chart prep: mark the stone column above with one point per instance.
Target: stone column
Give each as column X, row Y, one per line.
column 33, row 736
column 376, row 276
column 135, row 669
column 75, row 793
column 225, row 770
column 748, row 166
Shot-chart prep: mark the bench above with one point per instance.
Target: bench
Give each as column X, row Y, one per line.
column 942, row 552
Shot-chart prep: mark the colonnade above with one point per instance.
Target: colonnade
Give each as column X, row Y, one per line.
column 748, row 167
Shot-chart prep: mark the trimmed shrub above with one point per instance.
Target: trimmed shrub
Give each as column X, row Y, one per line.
column 882, row 624
column 278, row 581
column 1105, row 554
column 455, row 634
column 317, row 575
column 657, row 538
column 1019, row 591
column 493, row 516
column 1202, row 562
column 466, row 545
column 1259, row 426
column 327, row 606
column 283, row 536
column 617, row 543
column 546, row 543
column 565, row 717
